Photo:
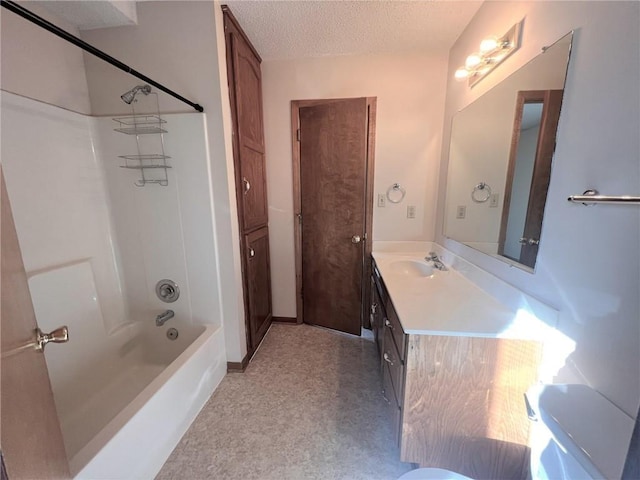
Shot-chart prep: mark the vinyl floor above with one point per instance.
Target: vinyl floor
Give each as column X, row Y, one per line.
column 309, row 406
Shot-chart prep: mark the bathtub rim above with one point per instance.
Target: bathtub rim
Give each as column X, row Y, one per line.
column 108, row 434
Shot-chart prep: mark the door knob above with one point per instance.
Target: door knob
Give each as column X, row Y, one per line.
column 59, row 335
column 252, row 252
column 247, row 185
column 528, row 241
column 356, row 239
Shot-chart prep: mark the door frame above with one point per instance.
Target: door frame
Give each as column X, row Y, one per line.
column 296, row 105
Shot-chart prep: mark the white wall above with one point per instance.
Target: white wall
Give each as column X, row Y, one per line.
column 181, row 45
column 39, row 65
column 589, row 260
column 410, row 100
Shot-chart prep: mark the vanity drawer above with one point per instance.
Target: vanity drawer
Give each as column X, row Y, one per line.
column 395, row 413
column 392, row 361
column 393, row 323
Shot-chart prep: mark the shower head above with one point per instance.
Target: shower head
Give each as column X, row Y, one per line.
column 131, row 94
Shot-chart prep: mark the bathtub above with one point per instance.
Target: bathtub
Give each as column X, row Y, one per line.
column 139, row 413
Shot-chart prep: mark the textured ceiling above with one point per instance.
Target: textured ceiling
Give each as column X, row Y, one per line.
column 90, row 14
column 303, row 28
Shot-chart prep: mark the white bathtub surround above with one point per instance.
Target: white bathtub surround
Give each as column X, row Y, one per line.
column 94, row 246
column 467, row 301
column 59, row 198
column 164, row 232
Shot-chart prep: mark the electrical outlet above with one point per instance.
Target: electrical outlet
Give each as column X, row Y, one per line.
column 411, row 211
column 493, row 200
column 461, row 211
column 381, row 200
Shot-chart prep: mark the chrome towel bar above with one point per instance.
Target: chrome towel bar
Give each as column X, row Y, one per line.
column 591, row 197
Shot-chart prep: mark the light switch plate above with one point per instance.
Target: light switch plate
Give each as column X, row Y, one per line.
column 381, row 200
column 493, row 200
column 461, row 211
column 411, row 211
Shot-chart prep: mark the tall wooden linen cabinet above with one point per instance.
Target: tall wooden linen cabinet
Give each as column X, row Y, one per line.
column 245, row 93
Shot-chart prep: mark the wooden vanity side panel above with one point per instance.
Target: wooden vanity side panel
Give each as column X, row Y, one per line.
column 464, row 407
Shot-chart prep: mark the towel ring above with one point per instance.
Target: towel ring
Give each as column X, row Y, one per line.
column 397, row 192
column 481, row 193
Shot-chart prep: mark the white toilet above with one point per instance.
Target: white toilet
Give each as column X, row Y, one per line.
column 576, row 434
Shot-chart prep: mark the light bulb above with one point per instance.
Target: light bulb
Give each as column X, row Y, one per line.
column 461, row 73
column 488, row 44
column 472, row 61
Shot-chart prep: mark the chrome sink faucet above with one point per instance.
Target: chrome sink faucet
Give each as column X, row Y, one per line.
column 164, row 317
column 437, row 263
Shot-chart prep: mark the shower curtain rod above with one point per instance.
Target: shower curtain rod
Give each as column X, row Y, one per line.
column 41, row 22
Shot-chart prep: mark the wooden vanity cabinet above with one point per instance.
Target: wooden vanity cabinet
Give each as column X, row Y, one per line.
column 457, row 402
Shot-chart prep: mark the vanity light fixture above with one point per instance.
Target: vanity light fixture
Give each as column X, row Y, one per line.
column 492, row 51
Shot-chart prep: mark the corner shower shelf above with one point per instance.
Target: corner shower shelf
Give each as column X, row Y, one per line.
column 144, row 167
column 145, row 125
column 140, row 130
column 140, row 124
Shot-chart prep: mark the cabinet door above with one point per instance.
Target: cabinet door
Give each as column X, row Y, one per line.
column 394, row 411
column 248, row 101
column 258, row 284
column 376, row 314
column 253, row 188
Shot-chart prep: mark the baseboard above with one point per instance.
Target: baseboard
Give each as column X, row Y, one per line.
column 284, row 319
column 238, row 367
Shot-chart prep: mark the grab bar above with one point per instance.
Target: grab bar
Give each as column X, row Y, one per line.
column 591, row 197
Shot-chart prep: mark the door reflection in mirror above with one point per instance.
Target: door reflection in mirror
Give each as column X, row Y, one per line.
column 528, row 174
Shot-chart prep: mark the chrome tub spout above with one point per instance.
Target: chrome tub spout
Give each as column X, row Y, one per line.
column 163, row 317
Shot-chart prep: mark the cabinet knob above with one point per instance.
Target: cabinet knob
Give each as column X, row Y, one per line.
column 356, row 239
column 247, row 185
column 388, row 323
column 252, row 252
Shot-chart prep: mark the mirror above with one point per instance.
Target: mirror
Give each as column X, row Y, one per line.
column 500, row 160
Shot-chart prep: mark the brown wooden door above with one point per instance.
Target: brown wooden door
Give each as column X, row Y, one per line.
column 259, row 284
column 30, row 439
column 333, row 175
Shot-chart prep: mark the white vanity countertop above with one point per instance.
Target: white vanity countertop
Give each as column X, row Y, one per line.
column 446, row 303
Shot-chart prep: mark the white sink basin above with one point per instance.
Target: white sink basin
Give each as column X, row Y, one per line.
column 411, row 268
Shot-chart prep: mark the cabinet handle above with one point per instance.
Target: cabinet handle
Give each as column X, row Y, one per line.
column 384, row 395
column 374, row 307
column 252, row 252
column 388, row 323
column 247, row 185
column 387, row 358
